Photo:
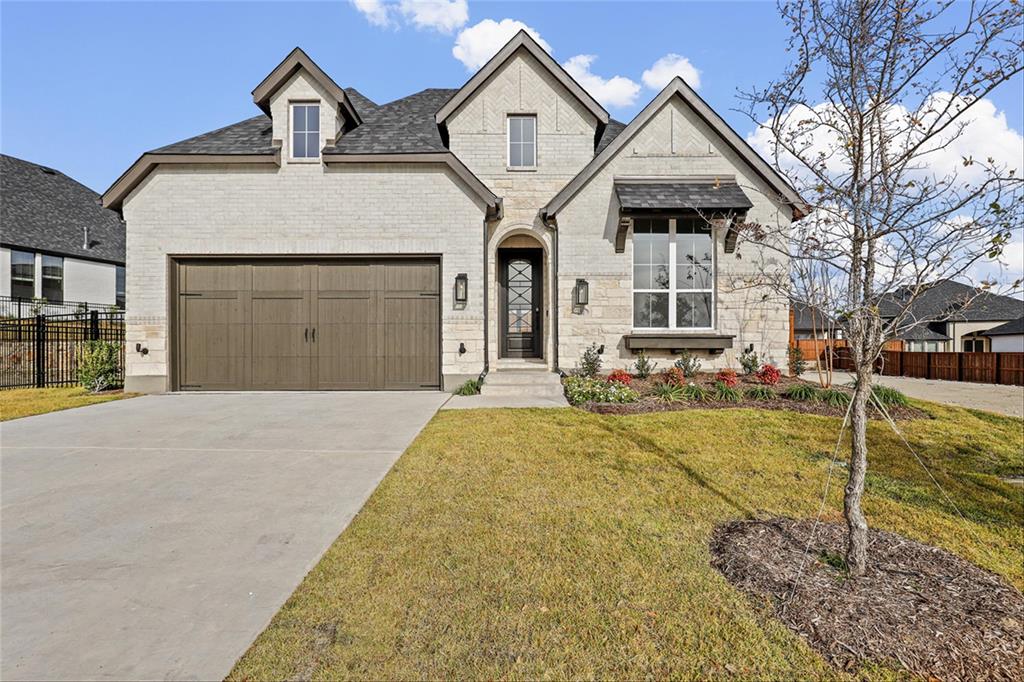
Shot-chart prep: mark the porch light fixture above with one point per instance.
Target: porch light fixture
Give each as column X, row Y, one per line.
column 582, row 292
column 461, row 288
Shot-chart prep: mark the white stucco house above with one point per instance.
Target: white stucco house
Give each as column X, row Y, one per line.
column 56, row 242
column 1008, row 337
column 333, row 242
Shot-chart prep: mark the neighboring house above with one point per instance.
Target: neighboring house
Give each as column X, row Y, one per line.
column 56, row 241
column 953, row 317
column 1007, row 338
column 809, row 322
column 332, row 242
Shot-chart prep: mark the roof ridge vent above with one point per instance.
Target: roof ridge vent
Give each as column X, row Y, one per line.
column 47, row 170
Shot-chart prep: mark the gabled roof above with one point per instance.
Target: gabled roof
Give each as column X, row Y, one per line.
column 1014, row 327
column 405, row 126
column 295, row 61
column 678, row 88
column 954, row 301
column 42, row 209
column 521, row 41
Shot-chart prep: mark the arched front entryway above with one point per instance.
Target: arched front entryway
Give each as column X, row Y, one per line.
column 522, row 289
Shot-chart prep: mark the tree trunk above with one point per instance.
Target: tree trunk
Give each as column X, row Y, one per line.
column 857, row 541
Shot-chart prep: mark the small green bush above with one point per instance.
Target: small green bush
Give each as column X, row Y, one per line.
column 471, row 387
column 890, row 396
column 797, row 364
column 669, row 393
column 834, row 397
column 802, row 392
column 97, row 365
column 644, row 366
column 580, row 390
column 688, row 363
column 726, row 393
column 749, row 361
column 762, row 393
column 696, row 393
column 590, row 362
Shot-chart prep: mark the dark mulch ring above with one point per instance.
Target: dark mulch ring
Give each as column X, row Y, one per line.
column 919, row 607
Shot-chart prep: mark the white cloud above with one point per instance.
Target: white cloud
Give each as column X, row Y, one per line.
column 478, row 43
column 667, row 68
column 441, row 15
column 377, row 12
column 617, row 91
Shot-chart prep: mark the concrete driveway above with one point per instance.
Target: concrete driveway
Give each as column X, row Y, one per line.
column 154, row 538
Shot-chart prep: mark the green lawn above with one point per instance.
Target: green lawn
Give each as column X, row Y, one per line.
column 24, row 402
column 539, row 544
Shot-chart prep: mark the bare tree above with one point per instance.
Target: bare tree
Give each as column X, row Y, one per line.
column 878, row 96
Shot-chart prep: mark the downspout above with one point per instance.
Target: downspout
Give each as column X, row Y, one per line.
column 551, row 224
column 487, row 349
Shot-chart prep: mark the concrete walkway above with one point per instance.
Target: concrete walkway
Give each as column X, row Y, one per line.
column 1008, row 400
column 154, row 538
column 468, row 402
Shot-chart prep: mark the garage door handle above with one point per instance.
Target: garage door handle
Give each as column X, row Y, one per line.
column 314, row 334
column 305, row 335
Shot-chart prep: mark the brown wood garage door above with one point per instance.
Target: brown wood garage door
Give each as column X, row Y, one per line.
column 294, row 325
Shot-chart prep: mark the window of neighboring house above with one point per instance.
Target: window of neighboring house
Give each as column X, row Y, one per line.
column 23, row 274
column 974, row 345
column 673, row 274
column 53, row 279
column 522, row 141
column 119, row 286
column 305, row 131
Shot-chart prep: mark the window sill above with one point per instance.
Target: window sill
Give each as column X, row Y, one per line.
column 676, row 341
column 521, row 169
column 305, row 161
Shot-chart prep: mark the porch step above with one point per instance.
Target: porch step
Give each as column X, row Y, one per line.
column 539, row 383
column 520, row 364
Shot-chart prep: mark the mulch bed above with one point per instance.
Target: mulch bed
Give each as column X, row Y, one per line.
column 918, row 607
column 646, row 405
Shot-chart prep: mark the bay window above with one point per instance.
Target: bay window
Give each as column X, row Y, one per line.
column 673, row 274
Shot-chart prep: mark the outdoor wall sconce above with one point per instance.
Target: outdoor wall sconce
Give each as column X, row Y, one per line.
column 582, row 292
column 140, row 349
column 461, row 288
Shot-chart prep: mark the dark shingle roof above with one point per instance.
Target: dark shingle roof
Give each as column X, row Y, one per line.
column 1012, row 327
column 405, row 126
column 949, row 300
column 251, row 136
column 703, row 195
column 802, row 317
column 611, row 131
column 43, row 209
column 922, row 333
column 363, row 104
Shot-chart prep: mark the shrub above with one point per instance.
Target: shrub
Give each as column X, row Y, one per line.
column 762, row 393
column 590, row 362
column 749, row 361
column 834, row 397
column 802, row 392
column 669, row 393
column 471, row 387
column 726, row 393
column 621, row 376
column 727, row 377
column 689, row 364
column 674, row 375
column 587, row 389
column 768, row 375
column 644, row 365
column 797, row 364
column 696, row 393
column 97, row 365
column 889, row 396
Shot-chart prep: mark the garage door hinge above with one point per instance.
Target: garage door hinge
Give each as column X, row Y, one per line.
column 184, row 294
column 190, row 386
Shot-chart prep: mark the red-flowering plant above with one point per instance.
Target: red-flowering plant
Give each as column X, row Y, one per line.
column 768, row 375
column 727, row 377
column 621, row 376
column 673, row 375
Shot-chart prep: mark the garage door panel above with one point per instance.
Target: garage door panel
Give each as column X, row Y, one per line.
column 280, row 342
column 287, row 277
column 214, row 343
column 213, row 276
column 346, row 344
column 343, row 277
column 410, row 342
column 412, row 277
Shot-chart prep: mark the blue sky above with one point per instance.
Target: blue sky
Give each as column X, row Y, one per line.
column 86, row 87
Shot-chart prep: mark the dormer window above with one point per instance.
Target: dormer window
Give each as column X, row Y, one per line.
column 305, row 131
column 522, row 141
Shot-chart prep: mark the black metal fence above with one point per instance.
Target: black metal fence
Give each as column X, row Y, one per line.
column 18, row 308
column 42, row 351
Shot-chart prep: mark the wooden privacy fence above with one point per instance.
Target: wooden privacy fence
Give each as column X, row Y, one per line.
column 985, row 368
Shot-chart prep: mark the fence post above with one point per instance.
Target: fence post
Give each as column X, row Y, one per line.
column 995, row 369
column 94, row 325
column 40, row 351
column 959, row 367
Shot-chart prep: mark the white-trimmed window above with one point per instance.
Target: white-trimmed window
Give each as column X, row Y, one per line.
column 305, row 131
column 673, row 274
column 23, row 274
column 522, row 141
column 53, row 278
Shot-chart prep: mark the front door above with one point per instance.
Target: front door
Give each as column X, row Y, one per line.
column 522, row 285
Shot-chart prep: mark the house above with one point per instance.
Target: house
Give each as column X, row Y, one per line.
column 332, row 242
column 1007, row 338
column 950, row 316
column 56, row 241
column 809, row 322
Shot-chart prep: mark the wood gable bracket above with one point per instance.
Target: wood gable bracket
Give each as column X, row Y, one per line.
column 625, row 225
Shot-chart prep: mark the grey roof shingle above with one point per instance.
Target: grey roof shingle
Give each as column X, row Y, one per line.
column 251, row 136
column 680, row 195
column 1012, row 327
column 405, row 126
column 921, row 333
column 611, row 131
column 363, row 104
column 955, row 301
column 44, row 210
column 802, row 319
